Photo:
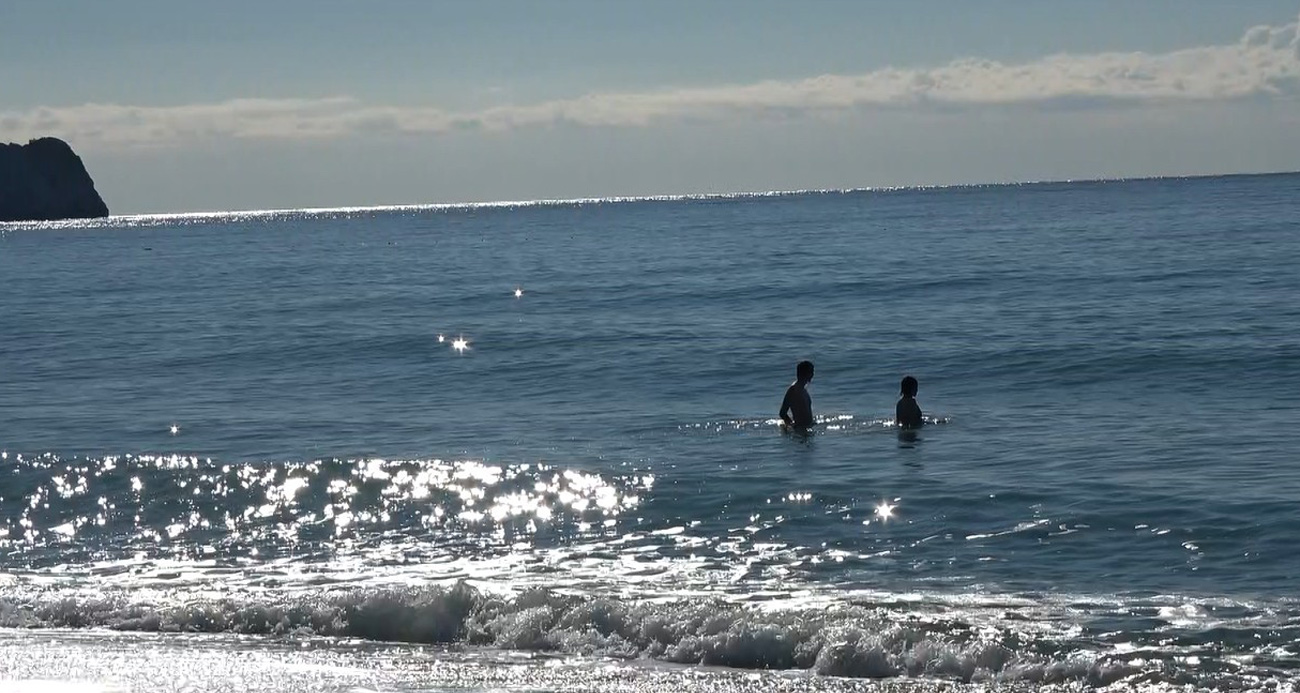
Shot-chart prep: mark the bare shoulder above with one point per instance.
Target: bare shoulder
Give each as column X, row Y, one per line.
column 908, row 413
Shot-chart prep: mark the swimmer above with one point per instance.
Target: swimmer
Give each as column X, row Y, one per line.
column 908, row 413
column 796, row 408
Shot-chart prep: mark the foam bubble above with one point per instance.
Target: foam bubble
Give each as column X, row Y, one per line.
column 858, row 640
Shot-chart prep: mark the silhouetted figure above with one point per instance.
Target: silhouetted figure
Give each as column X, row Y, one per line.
column 796, row 408
column 908, row 413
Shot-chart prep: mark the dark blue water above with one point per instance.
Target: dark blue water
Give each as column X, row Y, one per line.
column 1115, row 367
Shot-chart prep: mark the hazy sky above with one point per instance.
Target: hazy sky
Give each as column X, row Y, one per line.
column 178, row 106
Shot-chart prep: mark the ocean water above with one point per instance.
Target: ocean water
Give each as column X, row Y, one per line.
column 534, row 446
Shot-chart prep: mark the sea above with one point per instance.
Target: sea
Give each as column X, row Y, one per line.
column 534, row 446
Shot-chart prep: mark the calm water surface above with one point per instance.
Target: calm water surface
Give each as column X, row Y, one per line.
column 265, row 414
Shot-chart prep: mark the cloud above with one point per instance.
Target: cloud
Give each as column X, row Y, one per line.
column 1265, row 63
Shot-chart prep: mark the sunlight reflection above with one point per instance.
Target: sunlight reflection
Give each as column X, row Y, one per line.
column 164, row 505
column 460, row 344
column 885, row 509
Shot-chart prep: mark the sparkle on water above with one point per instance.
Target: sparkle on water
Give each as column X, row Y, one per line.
column 174, row 429
column 330, row 504
column 442, row 338
column 460, row 344
column 885, row 510
column 519, row 292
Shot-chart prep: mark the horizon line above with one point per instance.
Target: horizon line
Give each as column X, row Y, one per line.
column 679, row 197
column 615, row 199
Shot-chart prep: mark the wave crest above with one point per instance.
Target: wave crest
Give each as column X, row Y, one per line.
column 849, row 640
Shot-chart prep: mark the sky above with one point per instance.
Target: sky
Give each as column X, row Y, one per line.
column 189, row 106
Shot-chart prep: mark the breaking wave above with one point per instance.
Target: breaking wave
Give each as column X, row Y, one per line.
column 998, row 640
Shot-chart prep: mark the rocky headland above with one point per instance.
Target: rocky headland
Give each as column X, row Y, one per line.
column 45, row 180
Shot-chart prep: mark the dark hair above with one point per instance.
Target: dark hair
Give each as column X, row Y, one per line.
column 908, row 386
column 804, row 371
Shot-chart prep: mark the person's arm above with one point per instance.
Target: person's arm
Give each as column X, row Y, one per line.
column 898, row 413
column 785, row 409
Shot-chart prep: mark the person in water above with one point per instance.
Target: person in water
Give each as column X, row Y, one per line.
column 908, row 413
column 796, row 408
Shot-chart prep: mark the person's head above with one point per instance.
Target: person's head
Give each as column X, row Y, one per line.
column 908, row 386
column 804, row 371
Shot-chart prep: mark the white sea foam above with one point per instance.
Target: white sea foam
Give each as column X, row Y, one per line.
column 849, row 640
column 966, row 637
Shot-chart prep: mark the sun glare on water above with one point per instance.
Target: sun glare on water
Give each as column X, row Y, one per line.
column 885, row 510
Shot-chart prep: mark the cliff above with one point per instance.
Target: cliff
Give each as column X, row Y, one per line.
column 44, row 180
